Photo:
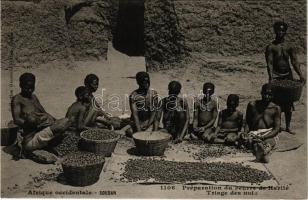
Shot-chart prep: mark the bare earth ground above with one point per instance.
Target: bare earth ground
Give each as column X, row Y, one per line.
column 241, row 75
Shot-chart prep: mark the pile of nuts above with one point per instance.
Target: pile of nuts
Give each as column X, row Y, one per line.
column 99, row 134
column 171, row 171
column 82, row 158
column 216, row 151
column 68, row 145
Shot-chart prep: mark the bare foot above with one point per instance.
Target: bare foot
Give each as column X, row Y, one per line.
column 289, row 131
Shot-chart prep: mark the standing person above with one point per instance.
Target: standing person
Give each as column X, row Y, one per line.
column 262, row 125
column 205, row 113
column 143, row 104
column 278, row 54
column 230, row 122
column 174, row 111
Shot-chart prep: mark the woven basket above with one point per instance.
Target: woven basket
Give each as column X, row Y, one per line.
column 285, row 94
column 101, row 147
column 9, row 134
column 82, row 175
column 151, row 143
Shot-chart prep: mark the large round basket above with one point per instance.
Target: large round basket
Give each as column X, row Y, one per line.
column 9, row 134
column 82, row 174
column 286, row 91
column 103, row 144
column 151, row 143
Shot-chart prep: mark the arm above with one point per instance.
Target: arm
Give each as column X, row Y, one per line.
column 134, row 111
column 218, row 128
column 153, row 110
column 80, row 119
column 16, row 111
column 295, row 64
column 186, row 110
column 41, row 108
column 211, row 123
column 247, row 118
column 196, row 115
column 269, row 61
column 158, row 116
column 276, row 128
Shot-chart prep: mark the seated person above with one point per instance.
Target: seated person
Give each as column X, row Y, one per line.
column 262, row 125
column 38, row 127
column 205, row 113
column 143, row 104
column 76, row 112
column 175, row 113
column 230, row 123
column 95, row 115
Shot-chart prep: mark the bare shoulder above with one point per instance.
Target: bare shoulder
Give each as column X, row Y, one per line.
column 196, row 102
column 275, row 106
column 17, row 98
column 133, row 94
column 154, row 92
column 252, row 104
column 270, row 47
column 239, row 113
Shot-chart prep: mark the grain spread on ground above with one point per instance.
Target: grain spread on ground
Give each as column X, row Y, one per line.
column 171, row 171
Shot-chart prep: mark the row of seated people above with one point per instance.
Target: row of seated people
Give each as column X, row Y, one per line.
column 147, row 111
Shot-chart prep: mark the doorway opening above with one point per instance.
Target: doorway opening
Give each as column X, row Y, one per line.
column 129, row 34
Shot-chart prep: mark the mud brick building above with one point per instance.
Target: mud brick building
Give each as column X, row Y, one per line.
column 164, row 31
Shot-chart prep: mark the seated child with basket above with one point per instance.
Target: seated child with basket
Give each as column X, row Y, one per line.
column 230, row 122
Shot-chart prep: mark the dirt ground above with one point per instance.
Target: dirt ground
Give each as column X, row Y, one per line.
column 241, row 75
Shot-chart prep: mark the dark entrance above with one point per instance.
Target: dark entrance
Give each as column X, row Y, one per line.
column 129, row 34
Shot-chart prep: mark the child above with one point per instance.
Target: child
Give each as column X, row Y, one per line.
column 230, row 123
column 175, row 113
column 76, row 112
column 205, row 113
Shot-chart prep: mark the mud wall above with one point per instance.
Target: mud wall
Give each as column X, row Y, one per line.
column 239, row 27
column 226, row 27
column 35, row 32
column 164, row 44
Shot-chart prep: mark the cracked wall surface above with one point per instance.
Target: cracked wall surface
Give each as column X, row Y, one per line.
column 35, row 32
column 239, row 27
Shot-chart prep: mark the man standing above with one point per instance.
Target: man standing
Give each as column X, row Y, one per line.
column 277, row 55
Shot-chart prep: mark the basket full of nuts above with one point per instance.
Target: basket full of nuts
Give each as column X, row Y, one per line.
column 82, row 168
column 286, row 90
column 151, row 143
column 99, row 141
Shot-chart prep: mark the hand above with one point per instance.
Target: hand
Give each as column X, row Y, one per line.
column 178, row 140
column 198, row 129
column 270, row 79
column 302, row 79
